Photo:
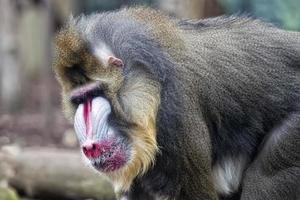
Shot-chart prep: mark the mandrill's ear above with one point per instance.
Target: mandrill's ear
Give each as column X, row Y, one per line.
column 115, row 61
column 105, row 55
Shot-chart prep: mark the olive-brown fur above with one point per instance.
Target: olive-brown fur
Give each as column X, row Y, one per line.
column 192, row 94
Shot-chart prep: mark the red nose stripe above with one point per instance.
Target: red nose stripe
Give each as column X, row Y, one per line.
column 87, row 108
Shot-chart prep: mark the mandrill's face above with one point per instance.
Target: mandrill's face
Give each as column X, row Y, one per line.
column 114, row 112
column 101, row 143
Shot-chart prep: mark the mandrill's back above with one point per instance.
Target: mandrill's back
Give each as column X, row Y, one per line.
column 248, row 73
column 248, row 79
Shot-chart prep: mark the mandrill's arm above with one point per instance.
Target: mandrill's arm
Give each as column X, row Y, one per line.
column 275, row 173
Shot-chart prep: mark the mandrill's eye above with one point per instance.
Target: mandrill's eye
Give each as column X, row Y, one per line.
column 76, row 75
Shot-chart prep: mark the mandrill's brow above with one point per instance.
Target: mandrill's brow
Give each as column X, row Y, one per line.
column 80, row 94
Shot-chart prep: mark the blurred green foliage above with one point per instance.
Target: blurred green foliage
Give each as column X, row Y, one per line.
column 7, row 193
column 284, row 13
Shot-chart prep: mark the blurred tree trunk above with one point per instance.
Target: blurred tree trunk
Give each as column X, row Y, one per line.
column 36, row 57
column 10, row 78
column 62, row 9
column 47, row 107
column 193, row 9
column 52, row 174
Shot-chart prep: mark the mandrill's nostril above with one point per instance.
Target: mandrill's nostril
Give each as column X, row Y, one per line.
column 84, row 150
column 91, row 150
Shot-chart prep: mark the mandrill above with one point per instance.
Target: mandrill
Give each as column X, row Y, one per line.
column 184, row 110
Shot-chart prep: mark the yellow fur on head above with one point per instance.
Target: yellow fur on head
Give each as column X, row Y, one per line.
column 162, row 28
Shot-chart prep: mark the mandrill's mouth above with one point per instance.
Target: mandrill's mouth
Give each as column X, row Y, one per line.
column 104, row 147
column 110, row 160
